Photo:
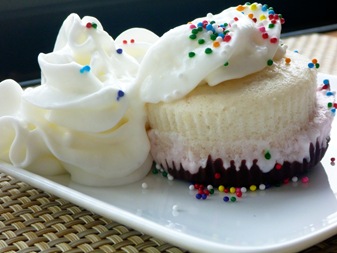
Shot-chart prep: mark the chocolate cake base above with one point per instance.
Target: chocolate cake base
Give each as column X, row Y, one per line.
column 216, row 174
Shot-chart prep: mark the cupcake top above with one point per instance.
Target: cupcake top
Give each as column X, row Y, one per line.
column 86, row 114
column 234, row 43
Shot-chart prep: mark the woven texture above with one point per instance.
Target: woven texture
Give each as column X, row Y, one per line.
column 34, row 221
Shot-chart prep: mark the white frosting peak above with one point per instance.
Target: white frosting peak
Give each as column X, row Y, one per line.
column 235, row 43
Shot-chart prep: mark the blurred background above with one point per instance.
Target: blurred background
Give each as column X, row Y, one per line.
column 30, row 27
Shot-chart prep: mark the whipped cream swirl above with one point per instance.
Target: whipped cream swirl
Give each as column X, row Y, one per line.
column 86, row 114
column 234, row 43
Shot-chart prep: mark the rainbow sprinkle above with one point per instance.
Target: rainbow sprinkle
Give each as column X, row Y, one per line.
column 120, row 94
column 91, row 25
column 85, row 69
column 217, row 34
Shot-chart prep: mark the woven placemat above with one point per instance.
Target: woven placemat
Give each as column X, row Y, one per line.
column 32, row 220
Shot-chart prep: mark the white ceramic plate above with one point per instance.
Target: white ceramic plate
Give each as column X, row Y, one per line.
column 281, row 219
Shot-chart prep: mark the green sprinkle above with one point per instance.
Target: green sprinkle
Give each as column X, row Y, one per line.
column 271, row 25
column 267, row 155
column 330, row 105
column 213, row 36
column 208, row 50
column 212, row 22
column 191, row 54
column 201, row 41
column 226, row 64
column 164, row 174
column 94, row 25
column 270, row 62
column 200, row 29
column 233, row 199
column 155, row 171
column 317, row 65
column 195, row 31
column 193, row 36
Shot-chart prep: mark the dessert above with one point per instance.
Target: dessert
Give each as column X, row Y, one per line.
column 229, row 105
column 85, row 118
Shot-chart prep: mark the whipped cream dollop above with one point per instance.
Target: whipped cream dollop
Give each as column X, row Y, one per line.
column 86, row 115
column 234, row 43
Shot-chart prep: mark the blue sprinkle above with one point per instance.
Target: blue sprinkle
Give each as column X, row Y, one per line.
column 120, row 94
column 326, row 81
column 119, row 51
column 329, row 93
column 311, row 65
column 271, row 12
column 198, row 196
column 296, row 51
column 264, row 7
column 226, row 198
column 85, row 68
column 209, row 27
column 200, row 24
column 333, row 110
column 204, row 196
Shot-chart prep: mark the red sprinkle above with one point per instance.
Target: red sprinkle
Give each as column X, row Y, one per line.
column 305, row 180
column 206, row 192
column 332, row 159
column 273, row 40
column 278, row 166
column 227, row 38
column 262, row 29
column 125, row 41
column 217, row 175
column 88, row 25
column 132, row 41
column 265, row 35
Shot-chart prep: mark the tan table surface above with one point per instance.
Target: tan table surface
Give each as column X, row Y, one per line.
column 32, row 220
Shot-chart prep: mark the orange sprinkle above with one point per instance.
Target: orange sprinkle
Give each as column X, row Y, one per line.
column 314, row 61
column 240, row 8
column 216, row 44
column 287, row 60
column 251, row 15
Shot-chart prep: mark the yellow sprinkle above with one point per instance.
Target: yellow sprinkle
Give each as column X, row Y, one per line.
column 221, row 188
column 232, row 190
column 240, row 8
column 263, row 17
column 216, row 44
column 253, row 7
column 252, row 188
